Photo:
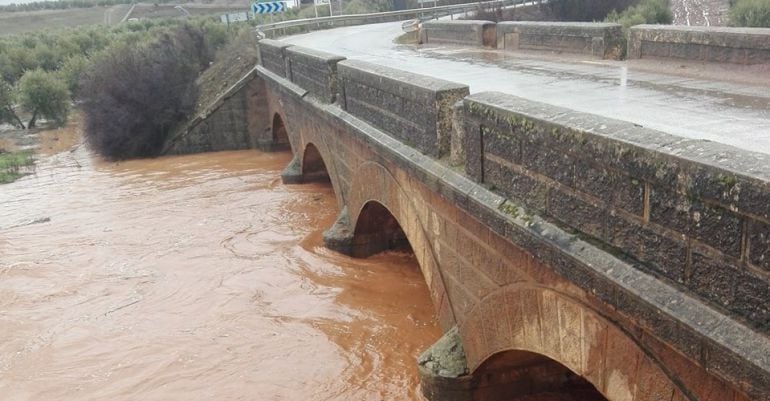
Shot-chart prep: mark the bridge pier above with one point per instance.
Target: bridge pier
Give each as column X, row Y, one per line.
column 444, row 375
column 292, row 174
column 444, row 370
column 339, row 237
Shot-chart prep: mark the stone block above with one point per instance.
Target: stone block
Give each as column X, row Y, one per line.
column 662, row 254
column 583, row 216
column 713, row 225
column 414, row 109
column 759, row 244
column 459, row 32
column 712, row 279
column 272, row 56
column 700, row 43
column 314, row 70
column 602, row 40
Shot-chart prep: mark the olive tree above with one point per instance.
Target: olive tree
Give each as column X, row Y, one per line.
column 7, row 105
column 43, row 94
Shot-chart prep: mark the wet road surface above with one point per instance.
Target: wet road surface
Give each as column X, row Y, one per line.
column 195, row 278
column 732, row 113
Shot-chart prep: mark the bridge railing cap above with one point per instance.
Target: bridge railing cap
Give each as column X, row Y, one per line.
column 274, row 43
column 707, row 29
column 560, row 24
column 717, row 156
column 459, row 22
column 322, row 55
column 402, row 77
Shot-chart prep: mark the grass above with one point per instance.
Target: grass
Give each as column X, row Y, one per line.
column 14, row 165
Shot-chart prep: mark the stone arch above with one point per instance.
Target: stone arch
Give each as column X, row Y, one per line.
column 377, row 230
column 313, row 165
column 542, row 321
column 518, row 374
column 376, row 194
column 280, row 136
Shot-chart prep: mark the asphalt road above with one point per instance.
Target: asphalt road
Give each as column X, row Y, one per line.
column 729, row 113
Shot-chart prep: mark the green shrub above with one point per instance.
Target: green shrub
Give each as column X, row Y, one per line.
column 646, row 12
column 43, row 94
column 750, row 13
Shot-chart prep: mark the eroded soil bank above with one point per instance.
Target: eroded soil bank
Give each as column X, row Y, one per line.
column 195, row 278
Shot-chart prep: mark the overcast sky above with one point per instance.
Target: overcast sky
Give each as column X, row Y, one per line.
column 6, row 2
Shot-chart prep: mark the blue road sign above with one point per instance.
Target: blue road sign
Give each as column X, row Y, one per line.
column 268, row 7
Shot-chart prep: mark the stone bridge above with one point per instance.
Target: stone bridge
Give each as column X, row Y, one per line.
column 563, row 251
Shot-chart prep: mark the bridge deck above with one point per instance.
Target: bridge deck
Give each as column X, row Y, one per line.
column 732, row 113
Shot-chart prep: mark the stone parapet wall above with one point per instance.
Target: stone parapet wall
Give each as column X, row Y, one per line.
column 314, row 70
column 272, row 55
column 461, row 32
column 413, row 108
column 603, row 40
column 233, row 121
column 692, row 211
column 707, row 44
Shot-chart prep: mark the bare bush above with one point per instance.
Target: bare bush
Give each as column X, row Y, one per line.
column 132, row 97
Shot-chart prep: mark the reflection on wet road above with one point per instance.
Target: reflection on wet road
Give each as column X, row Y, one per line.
column 196, row 278
column 731, row 113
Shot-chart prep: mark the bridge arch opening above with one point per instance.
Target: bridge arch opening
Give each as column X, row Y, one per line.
column 377, row 230
column 528, row 376
column 313, row 166
column 280, row 136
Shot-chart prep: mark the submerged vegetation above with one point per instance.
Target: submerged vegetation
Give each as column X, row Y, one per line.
column 14, row 165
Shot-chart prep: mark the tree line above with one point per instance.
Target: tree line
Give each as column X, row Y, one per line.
column 66, row 4
column 41, row 74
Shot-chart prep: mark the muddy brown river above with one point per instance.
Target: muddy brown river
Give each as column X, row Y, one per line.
column 195, row 278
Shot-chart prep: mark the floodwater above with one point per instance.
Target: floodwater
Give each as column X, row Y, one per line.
column 195, row 278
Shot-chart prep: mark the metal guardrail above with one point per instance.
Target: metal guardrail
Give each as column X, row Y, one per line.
column 387, row 16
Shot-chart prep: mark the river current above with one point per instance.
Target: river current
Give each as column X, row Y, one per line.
column 195, row 277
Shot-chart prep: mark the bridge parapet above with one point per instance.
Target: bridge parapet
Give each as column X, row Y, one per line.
column 603, row 40
column 692, row 211
column 561, row 222
column 313, row 70
column 464, row 32
column 412, row 108
column 709, row 44
column 272, row 55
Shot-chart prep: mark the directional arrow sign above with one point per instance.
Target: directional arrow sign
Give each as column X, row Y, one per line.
column 268, row 7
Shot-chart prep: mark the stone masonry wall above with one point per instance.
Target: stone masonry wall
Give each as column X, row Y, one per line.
column 235, row 121
column 413, row 108
column 708, row 44
column 314, row 70
column 603, row 40
column 489, row 273
column 694, row 218
column 462, row 32
column 272, row 55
